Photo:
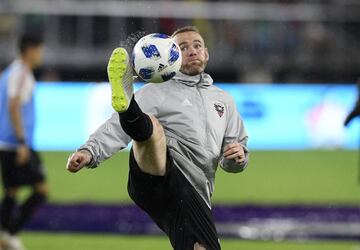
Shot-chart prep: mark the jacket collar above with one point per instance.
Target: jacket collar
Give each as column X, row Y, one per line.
column 202, row 79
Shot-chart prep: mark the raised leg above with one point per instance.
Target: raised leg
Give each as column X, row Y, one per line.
column 151, row 153
column 148, row 135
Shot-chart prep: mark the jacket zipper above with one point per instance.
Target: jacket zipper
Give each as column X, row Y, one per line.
column 205, row 140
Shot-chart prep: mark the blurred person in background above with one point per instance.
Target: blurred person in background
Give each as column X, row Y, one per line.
column 20, row 164
column 356, row 110
column 188, row 128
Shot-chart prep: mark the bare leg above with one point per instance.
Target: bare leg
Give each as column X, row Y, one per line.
column 198, row 246
column 41, row 188
column 12, row 191
column 151, row 154
column 149, row 142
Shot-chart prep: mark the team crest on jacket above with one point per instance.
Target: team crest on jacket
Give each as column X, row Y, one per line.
column 220, row 109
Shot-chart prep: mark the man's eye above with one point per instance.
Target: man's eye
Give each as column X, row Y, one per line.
column 183, row 48
column 197, row 46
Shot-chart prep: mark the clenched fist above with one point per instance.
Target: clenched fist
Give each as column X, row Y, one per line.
column 235, row 151
column 78, row 160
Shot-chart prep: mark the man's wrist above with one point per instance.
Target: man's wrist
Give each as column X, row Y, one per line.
column 86, row 150
column 21, row 141
column 90, row 154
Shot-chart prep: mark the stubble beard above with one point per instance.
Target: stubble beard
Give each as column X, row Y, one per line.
column 192, row 70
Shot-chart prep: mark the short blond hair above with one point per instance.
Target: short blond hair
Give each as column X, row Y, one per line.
column 186, row 29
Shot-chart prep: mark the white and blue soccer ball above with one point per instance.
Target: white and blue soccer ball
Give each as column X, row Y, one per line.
column 156, row 58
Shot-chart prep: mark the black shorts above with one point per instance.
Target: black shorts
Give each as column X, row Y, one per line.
column 14, row 175
column 175, row 206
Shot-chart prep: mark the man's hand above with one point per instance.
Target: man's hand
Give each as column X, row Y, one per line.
column 78, row 160
column 22, row 155
column 235, row 151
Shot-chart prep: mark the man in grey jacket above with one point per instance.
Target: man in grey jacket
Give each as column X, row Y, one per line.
column 182, row 130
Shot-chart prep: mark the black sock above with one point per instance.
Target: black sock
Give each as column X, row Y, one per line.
column 26, row 211
column 136, row 123
column 7, row 208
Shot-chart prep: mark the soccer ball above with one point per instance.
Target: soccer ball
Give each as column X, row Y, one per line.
column 156, row 58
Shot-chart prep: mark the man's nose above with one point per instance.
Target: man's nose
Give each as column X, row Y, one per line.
column 192, row 52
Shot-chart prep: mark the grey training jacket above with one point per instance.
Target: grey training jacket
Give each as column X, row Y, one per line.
column 199, row 120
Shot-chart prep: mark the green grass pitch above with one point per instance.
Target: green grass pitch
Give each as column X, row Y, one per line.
column 45, row 241
column 273, row 177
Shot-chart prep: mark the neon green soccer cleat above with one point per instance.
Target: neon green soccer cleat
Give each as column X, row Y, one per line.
column 120, row 74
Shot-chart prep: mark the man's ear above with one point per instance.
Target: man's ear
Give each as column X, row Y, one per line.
column 206, row 54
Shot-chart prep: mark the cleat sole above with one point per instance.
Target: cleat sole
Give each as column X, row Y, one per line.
column 116, row 70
